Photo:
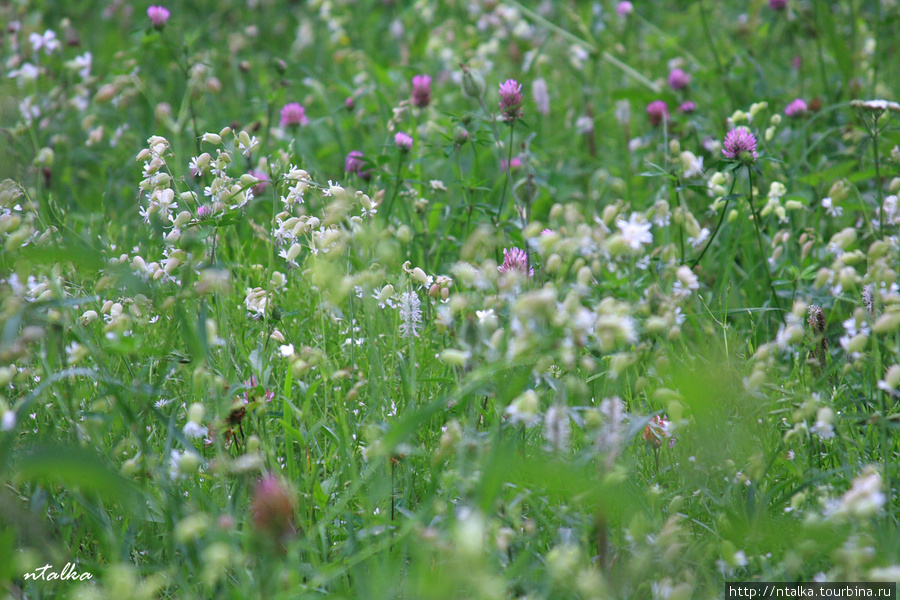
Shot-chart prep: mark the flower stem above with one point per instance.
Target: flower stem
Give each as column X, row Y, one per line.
column 762, row 250
column 508, row 172
column 390, row 205
column 718, row 225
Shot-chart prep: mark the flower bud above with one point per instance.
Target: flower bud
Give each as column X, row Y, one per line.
column 472, row 83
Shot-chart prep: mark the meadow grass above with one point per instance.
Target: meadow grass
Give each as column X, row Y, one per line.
column 479, row 299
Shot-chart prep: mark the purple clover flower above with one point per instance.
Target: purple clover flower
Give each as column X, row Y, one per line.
column 679, row 79
column 515, row 259
column 796, row 108
column 293, row 114
column 657, row 111
column 740, row 145
column 403, row 141
column 511, row 100
column 421, row 91
column 355, row 163
column 158, row 15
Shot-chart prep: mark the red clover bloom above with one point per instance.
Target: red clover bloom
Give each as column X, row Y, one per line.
column 403, row 141
column 158, row 15
column 679, row 79
column 624, row 8
column 740, row 145
column 510, row 100
column 272, row 508
column 354, row 163
column 515, row 259
column 293, row 114
column 421, row 91
column 777, row 4
column 796, row 108
column 688, row 107
column 657, row 111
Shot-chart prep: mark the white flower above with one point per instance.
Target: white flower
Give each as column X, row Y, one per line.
column 864, row 498
column 557, row 428
column 830, row 209
column 286, row 351
column 47, row 41
column 410, row 314
column 525, row 409
column 8, row 423
column 27, row 72
column 194, row 430
column 635, row 231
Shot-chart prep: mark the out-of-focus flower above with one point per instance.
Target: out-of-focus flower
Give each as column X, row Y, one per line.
column 657, row 431
column 293, row 114
column 272, row 508
column 777, row 4
column 421, row 91
column 541, row 96
column 657, row 111
column 635, row 231
column 158, row 15
column 688, row 107
column 796, row 108
column 46, row 42
column 403, row 141
column 679, row 79
column 355, row 163
column 625, row 8
column 515, row 259
column 526, row 409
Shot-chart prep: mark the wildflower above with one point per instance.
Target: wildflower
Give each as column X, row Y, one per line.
column 512, row 165
column 864, row 498
column 158, row 16
column 692, row 165
column 510, row 100
column 830, row 209
column 194, row 430
column 891, row 379
column 584, row 125
column 556, row 428
column 272, row 508
column 472, row 83
column 263, row 181
column 524, row 409
column 679, row 79
column 293, row 114
column 8, row 423
column 421, row 92
column 875, row 106
column 687, row 107
column 777, row 4
column 657, row 430
column 657, row 111
column 403, row 141
column 625, row 8
column 540, row 95
column 796, row 108
column 410, row 314
column 515, row 259
column 286, row 351
column 635, row 231
column 824, row 426
column 740, row 145
column 354, row 163
column 47, row 42
column 686, row 282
